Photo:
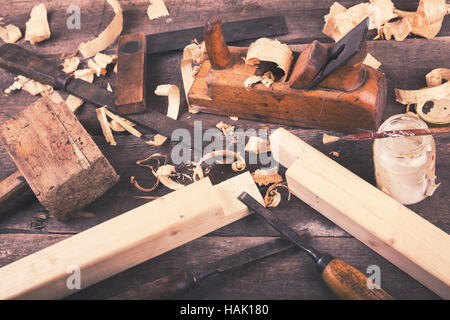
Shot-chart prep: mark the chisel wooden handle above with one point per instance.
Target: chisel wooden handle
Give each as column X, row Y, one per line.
column 12, row 187
column 347, row 282
column 18, row 60
column 163, row 288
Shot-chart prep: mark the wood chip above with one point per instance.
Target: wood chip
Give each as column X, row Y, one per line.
column 334, row 154
column 329, row 139
column 257, row 145
column 107, row 133
column 236, row 160
column 227, row 129
column 99, row 63
column 115, row 126
column 157, row 9
column 264, row 177
column 123, row 122
column 70, row 65
column 37, row 28
column 265, row 49
column 72, row 101
column 158, row 140
column 10, row 33
column 108, row 36
column 30, row 86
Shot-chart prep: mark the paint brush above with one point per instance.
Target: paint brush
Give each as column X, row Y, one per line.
column 386, row 134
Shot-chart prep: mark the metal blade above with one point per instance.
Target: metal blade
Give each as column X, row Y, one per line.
column 279, row 225
column 264, row 250
column 90, row 92
column 232, row 31
column 343, row 51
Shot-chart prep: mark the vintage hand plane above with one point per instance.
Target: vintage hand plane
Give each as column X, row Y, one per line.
column 328, row 86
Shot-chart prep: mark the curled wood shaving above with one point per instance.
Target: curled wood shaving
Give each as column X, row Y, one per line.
column 10, row 33
column 193, row 53
column 158, row 140
column 107, row 133
column 37, row 28
column 70, row 65
column 157, row 9
column 264, row 177
column 107, row 37
column 123, row 123
column 273, row 197
column 267, row 79
column 427, row 20
column 164, row 174
column 265, row 49
column 437, row 94
column 230, row 156
column 173, row 93
column 226, row 128
column 257, row 145
column 30, row 86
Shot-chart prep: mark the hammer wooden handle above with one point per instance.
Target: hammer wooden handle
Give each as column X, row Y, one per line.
column 163, row 288
column 12, row 187
column 349, row 283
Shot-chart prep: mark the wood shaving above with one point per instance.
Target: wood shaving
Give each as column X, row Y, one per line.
column 398, row 29
column 437, row 94
column 193, row 54
column 124, row 123
column 10, row 33
column 75, row 102
column 165, row 174
column 329, row 139
column 99, row 63
column 115, row 126
column 157, row 9
column 236, row 160
column 37, row 28
column 265, row 49
column 227, row 129
column 273, row 197
column 70, row 65
column 158, row 140
column 257, row 145
column 267, row 79
column 427, row 20
column 264, row 177
column 108, row 87
column 234, row 118
column 108, row 36
column 106, row 129
column 371, row 61
column 30, row 86
column 173, row 93
column 334, row 154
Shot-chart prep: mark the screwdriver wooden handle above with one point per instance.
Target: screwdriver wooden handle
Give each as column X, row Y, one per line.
column 163, row 288
column 349, row 283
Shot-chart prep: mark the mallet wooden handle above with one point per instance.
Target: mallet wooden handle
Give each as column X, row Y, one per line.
column 11, row 187
column 163, row 288
column 347, row 282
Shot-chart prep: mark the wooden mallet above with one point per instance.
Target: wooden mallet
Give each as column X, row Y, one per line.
column 56, row 157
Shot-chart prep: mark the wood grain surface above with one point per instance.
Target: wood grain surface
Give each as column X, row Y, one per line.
column 26, row 227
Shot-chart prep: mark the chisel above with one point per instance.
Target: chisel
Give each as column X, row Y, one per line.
column 178, row 283
column 344, row 280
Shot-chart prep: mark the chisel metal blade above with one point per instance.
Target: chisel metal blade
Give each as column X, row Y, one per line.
column 244, row 257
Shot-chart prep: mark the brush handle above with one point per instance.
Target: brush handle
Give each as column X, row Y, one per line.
column 396, row 133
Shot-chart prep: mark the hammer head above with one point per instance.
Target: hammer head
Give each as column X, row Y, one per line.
column 57, row 157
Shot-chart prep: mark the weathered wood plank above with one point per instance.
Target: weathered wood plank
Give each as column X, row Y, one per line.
column 293, row 271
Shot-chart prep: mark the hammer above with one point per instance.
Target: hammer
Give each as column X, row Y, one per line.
column 56, row 157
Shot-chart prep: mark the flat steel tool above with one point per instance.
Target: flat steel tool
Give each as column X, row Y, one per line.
column 181, row 282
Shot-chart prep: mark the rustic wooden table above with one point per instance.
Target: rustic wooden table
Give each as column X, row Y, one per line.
column 25, row 226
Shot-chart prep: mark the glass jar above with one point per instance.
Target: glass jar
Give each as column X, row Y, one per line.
column 405, row 167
